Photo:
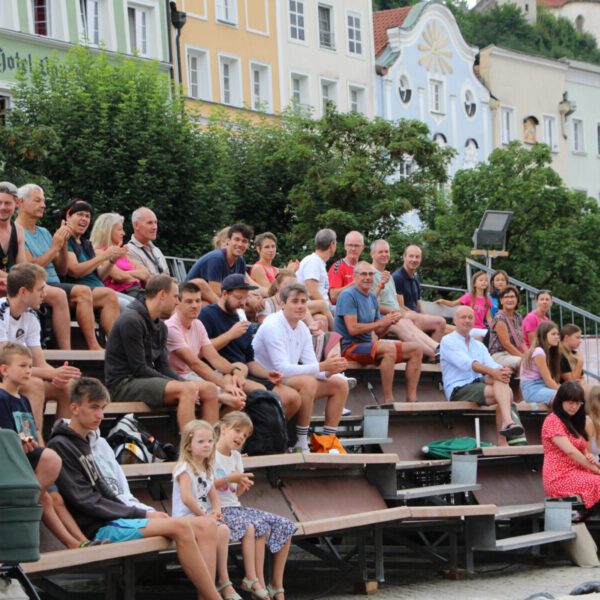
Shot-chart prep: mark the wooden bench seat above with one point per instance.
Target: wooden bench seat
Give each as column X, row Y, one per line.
column 74, row 355
column 458, row 406
column 425, row 367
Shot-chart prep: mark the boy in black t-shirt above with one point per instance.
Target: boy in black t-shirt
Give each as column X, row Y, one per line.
column 15, row 414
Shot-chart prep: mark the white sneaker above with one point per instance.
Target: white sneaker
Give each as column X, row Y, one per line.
column 351, row 382
column 346, row 412
column 301, row 448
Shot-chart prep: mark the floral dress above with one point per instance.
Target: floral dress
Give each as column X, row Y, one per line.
column 561, row 475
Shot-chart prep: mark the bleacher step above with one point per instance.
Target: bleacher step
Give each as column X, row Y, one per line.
column 527, row 541
column 429, row 491
column 358, row 441
column 513, row 511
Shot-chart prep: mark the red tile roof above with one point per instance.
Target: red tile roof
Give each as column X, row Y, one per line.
column 552, row 3
column 384, row 20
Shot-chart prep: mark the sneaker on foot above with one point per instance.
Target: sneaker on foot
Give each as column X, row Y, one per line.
column 300, row 448
column 346, row 412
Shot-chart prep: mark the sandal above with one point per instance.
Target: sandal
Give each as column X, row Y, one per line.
column 512, row 430
column 274, row 591
column 234, row 596
column 90, row 543
column 248, row 586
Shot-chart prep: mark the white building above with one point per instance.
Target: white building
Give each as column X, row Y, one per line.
column 326, row 55
column 584, row 14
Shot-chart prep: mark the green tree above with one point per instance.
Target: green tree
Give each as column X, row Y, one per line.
column 552, row 234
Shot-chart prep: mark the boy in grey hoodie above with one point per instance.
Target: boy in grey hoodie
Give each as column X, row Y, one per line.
column 102, row 515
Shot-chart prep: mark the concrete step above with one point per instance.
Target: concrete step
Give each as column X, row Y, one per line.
column 364, row 441
column 527, row 541
column 429, row 491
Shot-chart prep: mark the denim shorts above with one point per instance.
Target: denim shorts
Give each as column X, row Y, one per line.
column 536, row 391
column 122, row 530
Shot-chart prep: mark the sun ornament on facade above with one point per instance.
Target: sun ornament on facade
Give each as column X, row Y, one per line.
column 434, row 56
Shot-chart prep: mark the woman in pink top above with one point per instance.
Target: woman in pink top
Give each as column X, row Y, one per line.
column 568, row 466
column 125, row 277
column 263, row 271
column 479, row 300
column 543, row 304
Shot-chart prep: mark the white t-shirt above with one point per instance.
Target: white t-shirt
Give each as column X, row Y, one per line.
column 25, row 330
column 314, row 267
column 224, row 466
column 201, row 485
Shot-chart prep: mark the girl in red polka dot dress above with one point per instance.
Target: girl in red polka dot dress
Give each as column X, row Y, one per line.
column 568, row 468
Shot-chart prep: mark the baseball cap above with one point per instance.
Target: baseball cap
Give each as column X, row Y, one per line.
column 236, row 282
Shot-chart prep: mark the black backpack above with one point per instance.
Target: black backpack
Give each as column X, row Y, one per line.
column 270, row 427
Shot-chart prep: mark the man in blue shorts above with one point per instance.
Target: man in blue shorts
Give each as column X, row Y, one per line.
column 99, row 512
column 357, row 318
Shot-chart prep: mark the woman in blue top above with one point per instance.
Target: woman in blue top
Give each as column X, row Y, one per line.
column 85, row 267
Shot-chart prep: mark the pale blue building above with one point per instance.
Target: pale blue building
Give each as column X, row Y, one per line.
column 425, row 71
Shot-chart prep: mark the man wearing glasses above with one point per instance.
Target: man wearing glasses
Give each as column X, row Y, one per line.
column 357, row 318
column 341, row 272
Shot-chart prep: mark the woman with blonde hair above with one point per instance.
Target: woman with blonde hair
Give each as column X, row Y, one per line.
column 125, row 277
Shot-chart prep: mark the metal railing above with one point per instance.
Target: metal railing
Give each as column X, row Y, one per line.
column 561, row 313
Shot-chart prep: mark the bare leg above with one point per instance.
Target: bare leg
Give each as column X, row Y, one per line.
column 435, row 326
column 290, row 399
column 407, row 331
column 183, row 394
column 222, row 554
column 387, row 355
column 56, row 298
column 66, row 517
column 248, row 554
column 35, row 391
column 306, row 386
column 259, row 553
column 106, row 300
column 413, row 355
column 61, row 395
column 183, row 533
column 46, row 472
column 336, row 391
column 500, row 393
column 81, row 299
column 279, row 562
column 209, row 401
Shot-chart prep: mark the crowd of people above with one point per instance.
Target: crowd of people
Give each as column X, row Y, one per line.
column 228, row 331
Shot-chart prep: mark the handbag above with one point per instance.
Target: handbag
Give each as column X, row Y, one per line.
column 326, row 444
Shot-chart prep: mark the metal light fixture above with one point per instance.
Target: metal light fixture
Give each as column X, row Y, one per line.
column 491, row 234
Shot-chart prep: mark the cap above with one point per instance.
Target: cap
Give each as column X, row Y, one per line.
column 236, row 282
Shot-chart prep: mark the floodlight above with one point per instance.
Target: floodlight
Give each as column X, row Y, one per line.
column 493, row 229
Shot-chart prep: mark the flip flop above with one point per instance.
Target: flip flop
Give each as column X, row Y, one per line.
column 512, row 430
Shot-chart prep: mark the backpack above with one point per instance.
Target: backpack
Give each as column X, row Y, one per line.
column 270, row 427
column 132, row 444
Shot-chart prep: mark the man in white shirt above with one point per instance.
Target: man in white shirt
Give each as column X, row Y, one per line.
column 470, row 374
column 283, row 343
column 19, row 323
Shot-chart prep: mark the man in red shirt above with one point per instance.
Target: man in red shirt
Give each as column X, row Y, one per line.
column 341, row 273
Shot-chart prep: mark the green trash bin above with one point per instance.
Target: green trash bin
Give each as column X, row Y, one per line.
column 20, row 512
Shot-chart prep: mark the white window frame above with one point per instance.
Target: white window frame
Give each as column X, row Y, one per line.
column 300, row 29
column 231, row 89
column 332, row 92
column 437, row 96
column 472, row 101
column 507, row 124
column 409, row 89
column 352, row 30
column 578, row 138
column 142, row 18
column 302, row 103
column 323, row 43
column 86, row 9
column 550, row 132
column 49, row 19
column 226, row 11
column 361, row 99
column 203, row 82
column 263, row 100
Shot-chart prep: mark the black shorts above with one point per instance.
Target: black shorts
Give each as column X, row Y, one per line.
column 34, row 457
column 68, row 287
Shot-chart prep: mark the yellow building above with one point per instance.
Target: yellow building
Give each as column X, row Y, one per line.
column 228, row 54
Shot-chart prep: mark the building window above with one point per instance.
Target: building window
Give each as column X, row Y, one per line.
column 328, row 94
column 578, row 136
column 296, row 19
column 404, row 89
column 4, row 105
column 436, row 96
column 138, row 20
column 470, row 104
column 227, row 11
column 90, row 20
column 598, row 138
column 507, row 117
column 579, row 22
column 198, row 75
column 471, row 153
column 406, row 168
column 300, row 92
column 326, row 39
column 41, row 17
column 440, row 140
column 550, row 134
column 354, row 34
column 231, row 91
column 357, row 99
column 261, row 87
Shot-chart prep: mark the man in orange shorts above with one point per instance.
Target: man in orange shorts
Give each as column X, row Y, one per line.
column 357, row 318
